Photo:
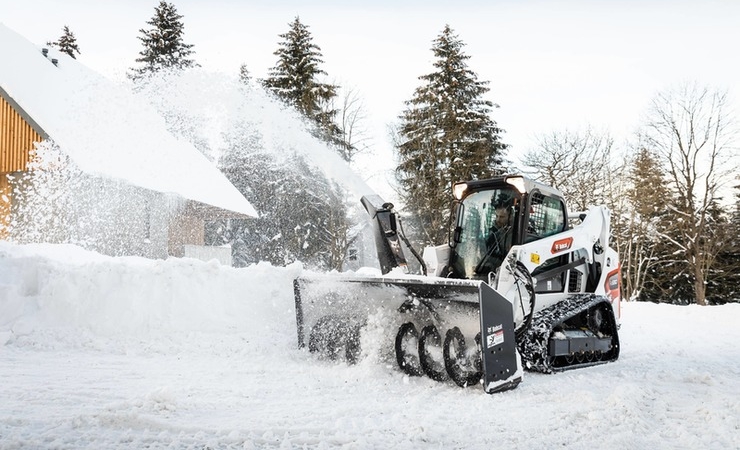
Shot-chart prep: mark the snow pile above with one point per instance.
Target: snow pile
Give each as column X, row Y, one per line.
column 106, row 353
column 81, row 294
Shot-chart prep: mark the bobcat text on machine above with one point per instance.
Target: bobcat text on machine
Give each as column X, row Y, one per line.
column 517, row 287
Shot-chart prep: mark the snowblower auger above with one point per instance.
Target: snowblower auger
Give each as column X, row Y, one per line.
column 516, row 287
column 437, row 326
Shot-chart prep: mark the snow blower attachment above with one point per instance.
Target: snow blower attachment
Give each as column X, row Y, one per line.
column 515, row 288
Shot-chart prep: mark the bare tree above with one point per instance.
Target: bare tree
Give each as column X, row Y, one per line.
column 691, row 130
column 576, row 163
column 351, row 117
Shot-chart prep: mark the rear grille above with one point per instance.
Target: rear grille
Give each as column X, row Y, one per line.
column 574, row 282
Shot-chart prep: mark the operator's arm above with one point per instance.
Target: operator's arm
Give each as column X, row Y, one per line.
column 496, row 246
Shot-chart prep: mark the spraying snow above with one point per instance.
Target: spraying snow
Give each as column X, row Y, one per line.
column 213, row 110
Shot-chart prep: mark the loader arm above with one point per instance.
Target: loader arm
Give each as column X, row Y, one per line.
column 387, row 242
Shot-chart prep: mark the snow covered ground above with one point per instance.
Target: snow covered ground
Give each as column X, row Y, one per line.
column 100, row 353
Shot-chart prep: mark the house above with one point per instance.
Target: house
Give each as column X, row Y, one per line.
column 135, row 189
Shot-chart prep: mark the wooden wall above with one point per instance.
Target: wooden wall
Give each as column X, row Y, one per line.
column 185, row 229
column 16, row 139
column 5, row 192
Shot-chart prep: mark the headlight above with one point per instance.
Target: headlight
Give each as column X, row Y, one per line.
column 458, row 190
column 518, row 183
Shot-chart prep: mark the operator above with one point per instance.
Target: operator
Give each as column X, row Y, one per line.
column 499, row 240
column 501, row 236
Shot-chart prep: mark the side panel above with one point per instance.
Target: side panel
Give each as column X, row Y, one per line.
column 502, row 368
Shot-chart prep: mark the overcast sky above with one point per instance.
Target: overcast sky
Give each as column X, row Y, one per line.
column 551, row 64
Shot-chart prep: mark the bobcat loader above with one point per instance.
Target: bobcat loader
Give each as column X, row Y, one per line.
column 516, row 287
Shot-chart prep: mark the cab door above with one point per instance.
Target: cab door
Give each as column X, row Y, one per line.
column 547, row 216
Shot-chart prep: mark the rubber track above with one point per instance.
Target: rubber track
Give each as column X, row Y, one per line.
column 535, row 342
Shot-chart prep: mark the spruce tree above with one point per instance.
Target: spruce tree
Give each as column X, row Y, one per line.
column 295, row 80
column 643, row 254
column 446, row 135
column 244, row 76
column 724, row 284
column 67, row 43
column 302, row 213
column 164, row 47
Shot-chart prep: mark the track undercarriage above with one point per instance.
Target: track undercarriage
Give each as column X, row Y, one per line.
column 577, row 332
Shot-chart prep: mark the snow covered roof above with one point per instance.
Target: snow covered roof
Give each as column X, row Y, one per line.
column 106, row 129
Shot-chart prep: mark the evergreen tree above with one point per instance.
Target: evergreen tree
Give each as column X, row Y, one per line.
column 732, row 257
column 446, row 135
column 724, row 284
column 302, row 214
column 163, row 43
column 67, row 43
column 722, row 279
column 295, row 80
column 646, row 220
column 244, row 76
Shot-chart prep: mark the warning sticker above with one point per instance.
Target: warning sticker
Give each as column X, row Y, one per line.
column 494, row 336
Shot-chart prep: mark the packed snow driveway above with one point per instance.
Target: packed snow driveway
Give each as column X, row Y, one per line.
column 103, row 353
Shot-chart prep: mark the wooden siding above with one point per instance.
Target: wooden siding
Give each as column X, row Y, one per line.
column 185, row 229
column 16, row 139
column 5, row 204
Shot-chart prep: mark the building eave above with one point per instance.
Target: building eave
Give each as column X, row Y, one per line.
column 24, row 115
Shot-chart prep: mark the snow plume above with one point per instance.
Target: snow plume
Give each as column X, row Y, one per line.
column 56, row 202
column 211, row 109
column 307, row 196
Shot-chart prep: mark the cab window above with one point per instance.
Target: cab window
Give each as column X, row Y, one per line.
column 546, row 216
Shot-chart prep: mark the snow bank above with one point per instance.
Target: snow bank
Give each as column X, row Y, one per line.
column 70, row 291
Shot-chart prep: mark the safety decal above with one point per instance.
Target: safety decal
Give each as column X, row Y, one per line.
column 494, row 336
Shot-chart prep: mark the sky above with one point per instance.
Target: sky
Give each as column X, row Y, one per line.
column 552, row 65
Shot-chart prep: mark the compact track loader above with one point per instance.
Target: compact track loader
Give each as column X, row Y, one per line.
column 516, row 287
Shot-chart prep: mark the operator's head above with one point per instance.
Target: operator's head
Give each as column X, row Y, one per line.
column 502, row 216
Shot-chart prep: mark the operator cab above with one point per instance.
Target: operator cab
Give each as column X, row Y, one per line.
column 490, row 216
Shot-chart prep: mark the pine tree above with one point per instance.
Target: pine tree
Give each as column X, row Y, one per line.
column 446, row 135
column 724, row 284
column 67, row 43
column 163, row 43
column 647, row 219
column 244, row 76
column 295, row 80
column 302, row 214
